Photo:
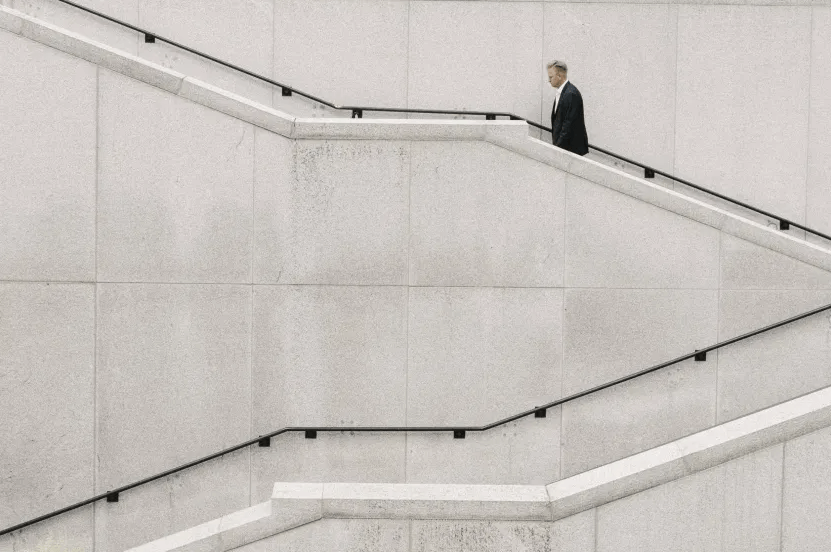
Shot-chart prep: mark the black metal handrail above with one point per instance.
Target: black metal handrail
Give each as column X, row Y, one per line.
column 458, row 431
column 357, row 112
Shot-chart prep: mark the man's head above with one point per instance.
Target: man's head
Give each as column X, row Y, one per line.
column 557, row 73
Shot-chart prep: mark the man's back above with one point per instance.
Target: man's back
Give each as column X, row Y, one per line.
column 568, row 123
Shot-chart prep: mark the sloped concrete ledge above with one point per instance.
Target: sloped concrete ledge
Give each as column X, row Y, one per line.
column 690, row 454
column 411, row 501
column 408, row 129
column 295, row 504
column 231, row 531
column 511, row 135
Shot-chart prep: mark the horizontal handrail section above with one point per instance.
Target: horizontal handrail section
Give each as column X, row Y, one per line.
column 358, row 111
column 458, row 432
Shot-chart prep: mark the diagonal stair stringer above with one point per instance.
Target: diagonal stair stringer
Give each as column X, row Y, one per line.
column 510, row 135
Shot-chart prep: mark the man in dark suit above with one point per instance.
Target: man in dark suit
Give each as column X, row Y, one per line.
column 567, row 122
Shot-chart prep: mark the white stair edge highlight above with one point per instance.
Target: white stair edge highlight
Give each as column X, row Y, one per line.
column 295, row 504
column 691, row 454
column 510, row 135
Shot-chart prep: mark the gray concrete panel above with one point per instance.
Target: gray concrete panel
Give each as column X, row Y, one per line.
column 342, row 456
column 327, row 355
column 681, row 516
column 71, row 532
column 484, row 216
column 47, row 370
column 173, row 504
column 181, row 211
column 339, row 535
column 627, row 80
column 720, row 142
column 818, row 196
column 745, row 265
column 526, row 452
column 173, row 376
column 638, row 415
column 47, row 227
column 480, row 354
column 348, row 52
column 239, row 33
column 807, row 493
column 88, row 25
column 609, row 333
column 573, row 534
column 616, row 241
column 781, row 364
column 752, row 515
column 488, row 59
column 728, row 508
column 331, row 212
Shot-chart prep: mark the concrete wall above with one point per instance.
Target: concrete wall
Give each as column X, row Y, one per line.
column 772, row 500
column 679, row 85
column 180, row 280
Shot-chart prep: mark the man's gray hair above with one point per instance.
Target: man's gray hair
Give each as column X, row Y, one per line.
column 560, row 65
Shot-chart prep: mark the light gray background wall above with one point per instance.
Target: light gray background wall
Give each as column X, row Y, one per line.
column 730, row 95
column 176, row 280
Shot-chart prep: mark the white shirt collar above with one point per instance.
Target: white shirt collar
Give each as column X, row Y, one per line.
column 560, row 90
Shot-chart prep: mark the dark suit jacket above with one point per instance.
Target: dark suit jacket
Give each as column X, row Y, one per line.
column 568, row 123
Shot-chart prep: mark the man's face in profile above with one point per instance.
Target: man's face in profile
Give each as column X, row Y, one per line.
column 555, row 78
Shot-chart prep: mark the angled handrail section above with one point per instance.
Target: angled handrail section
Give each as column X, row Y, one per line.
column 458, row 431
column 357, row 112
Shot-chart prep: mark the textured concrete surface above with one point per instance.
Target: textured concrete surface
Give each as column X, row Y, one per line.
column 818, row 197
column 236, row 32
column 341, row 456
column 807, row 491
column 638, row 415
column 47, row 371
column 775, row 366
column 343, row 535
column 495, row 351
column 174, row 376
column 321, row 350
column 526, row 452
column 537, row 197
column 575, row 534
column 483, row 216
column 615, row 241
column 91, row 26
column 732, row 507
column 631, row 71
column 719, row 142
column 47, row 231
column 608, row 333
column 745, row 265
column 348, row 52
column 449, row 501
column 729, row 477
column 187, row 499
column 72, row 532
column 489, row 60
column 331, row 212
column 181, row 211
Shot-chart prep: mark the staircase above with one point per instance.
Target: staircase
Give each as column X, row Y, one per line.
column 187, row 269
